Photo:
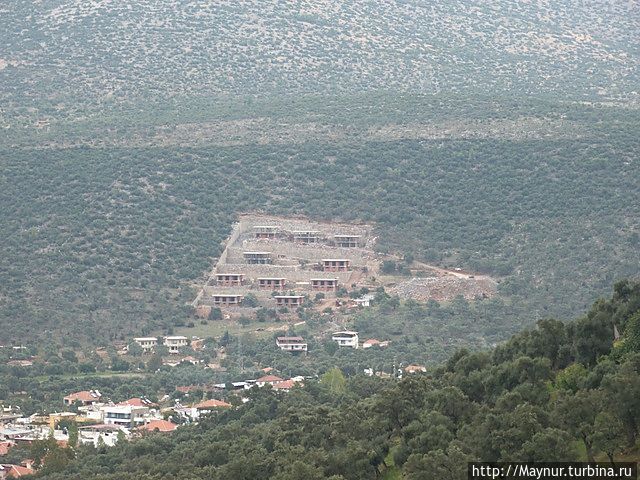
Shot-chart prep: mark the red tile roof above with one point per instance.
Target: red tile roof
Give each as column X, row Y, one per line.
column 414, row 368
column 284, row 385
column 158, row 425
column 208, row 404
column 4, row 447
column 84, row 396
column 269, row 379
column 136, row 402
column 17, row 471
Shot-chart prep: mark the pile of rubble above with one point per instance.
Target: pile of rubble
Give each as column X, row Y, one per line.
column 444, row 288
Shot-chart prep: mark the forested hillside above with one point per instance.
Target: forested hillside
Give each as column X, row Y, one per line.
column 500, row 138
column 556, row 393
column 106, row 241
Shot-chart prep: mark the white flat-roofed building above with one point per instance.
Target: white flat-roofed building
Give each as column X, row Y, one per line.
column 346, row 339
column 146, row 343
column 175, row 342
column 127, row 416
column 92, row 434
column 291, row 344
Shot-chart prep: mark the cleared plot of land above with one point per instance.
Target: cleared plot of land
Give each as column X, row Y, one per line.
column 268, row 257
column 292, row 256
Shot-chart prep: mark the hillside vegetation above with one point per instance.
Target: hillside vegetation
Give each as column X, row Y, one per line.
column 76, row 54
column 106, row 242
column 496, row 137
column 559, row 392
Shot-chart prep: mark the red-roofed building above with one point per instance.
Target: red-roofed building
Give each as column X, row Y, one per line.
column 372, row 342
column 5, row 446
column 136, row 402
column 163, row 426
column 268, row 379
column 284, row 385
column 212, row 405
column 84, row 397
column 415, row 369
column 14, row 471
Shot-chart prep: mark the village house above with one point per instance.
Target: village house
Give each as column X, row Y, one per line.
column 257, row 258
column 162, row 426
column 83, row 398
column 229, row 279
column 212, row 404
column 365, row 300
column 268, row 380
column 146, row 343
column 283, row 386
column 138, row 402
column 14, row 471
column 346, row 339
column 272, row 283
column 291, row 344
column 265, row 231
column 226, row 300
column 5, row 446
column 415, row 369
column 347, row 241
column 324, row 284
column 306, row 236
column 336, row 264
column 175, row 342
column 372, row 342
column 124, row 415
column 57, row 417
column 20, row 363
column 289, row 300
column 93, row 434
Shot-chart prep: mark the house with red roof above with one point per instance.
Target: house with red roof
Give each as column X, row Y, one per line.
column 14, row 471
column 372, row 342
column 162, row 426
column 137, row 402
column 211, row 405
column 284, row 385
column 5, row 446
column 415, row 369
column 268, row 379
column 85, row 397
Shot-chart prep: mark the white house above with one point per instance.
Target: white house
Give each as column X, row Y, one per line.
column 146, row 343
column 92, row 434
column 127, row 416
column 291, row 344
column 175, row 343
column 365, row 300
column 346, row 339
